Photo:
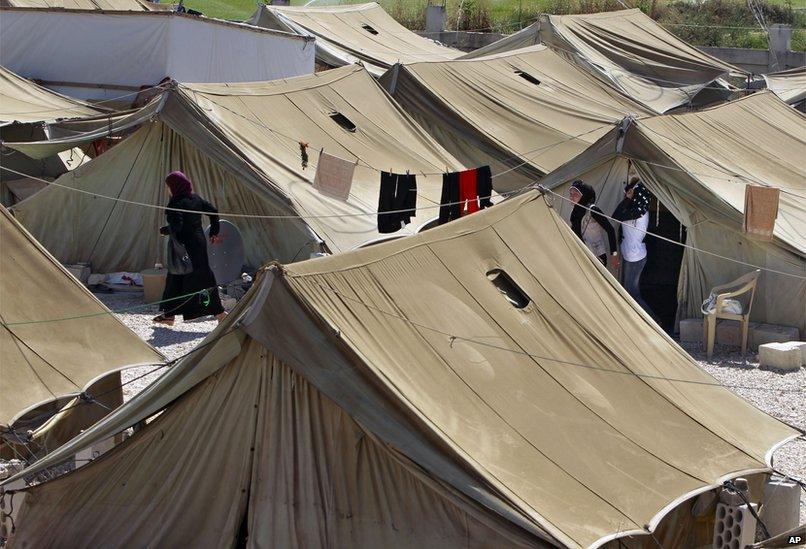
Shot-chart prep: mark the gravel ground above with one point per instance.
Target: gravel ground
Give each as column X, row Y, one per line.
column 777, row 399
column 172, row 342
column 727, row 367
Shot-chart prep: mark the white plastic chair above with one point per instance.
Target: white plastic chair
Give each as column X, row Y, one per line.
column 738, row 287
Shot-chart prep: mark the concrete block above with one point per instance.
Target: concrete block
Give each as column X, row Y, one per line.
column 691, row 330
column 802, row 346
column 781, row 505
column 770, row 333
column 728, row 332
column 735, row 527
column 781, row 356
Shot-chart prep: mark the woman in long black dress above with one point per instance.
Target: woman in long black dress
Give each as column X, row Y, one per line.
column 186, row 228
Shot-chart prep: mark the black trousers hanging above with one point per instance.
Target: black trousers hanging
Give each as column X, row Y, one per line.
column 397, row 201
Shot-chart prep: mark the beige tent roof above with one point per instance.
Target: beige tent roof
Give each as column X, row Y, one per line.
column 352, row 33
column 239, row 143
column 629, row 50
column 698, row 165
column 524, row 112
column 789, row 85
column 402, row 377
column 46, row 361
column 24, row 101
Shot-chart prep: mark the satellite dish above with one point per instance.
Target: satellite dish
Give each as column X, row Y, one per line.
column 227, row 257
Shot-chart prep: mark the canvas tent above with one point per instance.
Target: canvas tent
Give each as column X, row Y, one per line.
column 239, row 143
column 24, row 101
column 789, row 85
column 354, row 33
column 451, row 388
column 101, row 55
column 24, row 106
column 630, row 51
column 524, row 112
column 698, row 165
column 45, row 364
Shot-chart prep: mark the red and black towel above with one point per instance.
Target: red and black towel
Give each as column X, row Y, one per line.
column 465, row 192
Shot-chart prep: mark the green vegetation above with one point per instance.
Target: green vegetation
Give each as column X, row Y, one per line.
column 726, row 23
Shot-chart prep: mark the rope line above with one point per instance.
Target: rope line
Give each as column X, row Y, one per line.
column 120, row 311
column 419, row 208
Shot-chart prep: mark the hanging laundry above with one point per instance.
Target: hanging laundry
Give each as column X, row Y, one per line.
column 334, row 176
column 760, row 211
column 468, row 195
column 449, row 201
column 398, row 197
column 484, row 186
column 406, row 197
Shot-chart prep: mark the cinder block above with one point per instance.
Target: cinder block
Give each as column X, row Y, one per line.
column 781, row 507
column 771, row 333
column 735, row 527
column 781, row 356
column 691, row 330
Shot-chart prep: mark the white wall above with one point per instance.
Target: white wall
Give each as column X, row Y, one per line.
column 141, row 48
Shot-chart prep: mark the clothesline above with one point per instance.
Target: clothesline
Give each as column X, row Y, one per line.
column 241, row 215
column 436, row 206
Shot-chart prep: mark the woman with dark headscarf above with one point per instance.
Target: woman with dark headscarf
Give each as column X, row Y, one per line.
column 633, row 213
column 190, row 290
column 590, row 225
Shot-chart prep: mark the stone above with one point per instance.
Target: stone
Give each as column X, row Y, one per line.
column 771, row 333
column 780, row 356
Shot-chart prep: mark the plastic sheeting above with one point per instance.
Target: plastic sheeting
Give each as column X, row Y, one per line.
column 239, row 143
column 630, row 51
column 524, row 113
column 355, row 33
column 46, row 361
column 507, row 425
column 698, row 164
column 103, row 55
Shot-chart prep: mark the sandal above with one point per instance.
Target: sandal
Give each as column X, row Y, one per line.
column 163, row 319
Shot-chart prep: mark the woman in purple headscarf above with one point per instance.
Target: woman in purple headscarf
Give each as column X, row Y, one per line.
column 190, row 288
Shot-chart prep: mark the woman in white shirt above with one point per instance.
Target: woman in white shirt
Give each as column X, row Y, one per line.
column 633, row 213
